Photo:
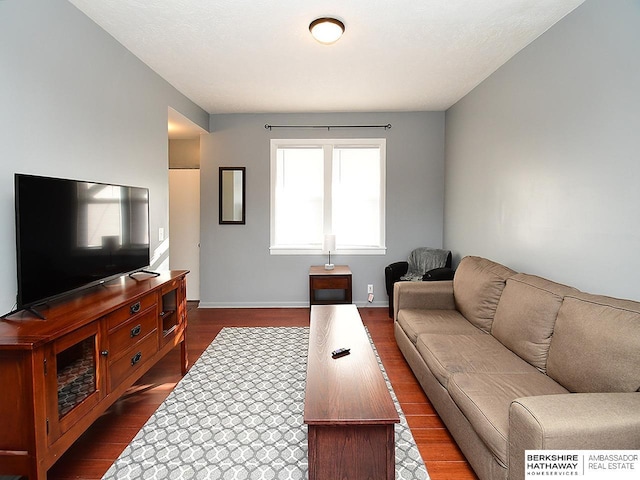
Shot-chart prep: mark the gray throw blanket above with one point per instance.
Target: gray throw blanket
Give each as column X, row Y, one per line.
column 423, row 259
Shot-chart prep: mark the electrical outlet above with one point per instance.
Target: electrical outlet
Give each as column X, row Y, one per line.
column 160, row 234
column 370, row 288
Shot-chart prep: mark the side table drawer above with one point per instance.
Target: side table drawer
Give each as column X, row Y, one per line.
column 334, row 282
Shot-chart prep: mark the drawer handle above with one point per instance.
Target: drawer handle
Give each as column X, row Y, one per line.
column 135, row 308
column 135, row 331
column 136, row 358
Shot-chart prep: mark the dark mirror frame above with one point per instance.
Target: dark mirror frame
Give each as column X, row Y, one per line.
column 222, row 194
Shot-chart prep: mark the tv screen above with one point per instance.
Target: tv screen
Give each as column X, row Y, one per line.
column 72, row 234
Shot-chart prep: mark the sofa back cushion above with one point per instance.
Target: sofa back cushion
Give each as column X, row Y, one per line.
column 596, row 345
column 477, row 286
column 526, row 315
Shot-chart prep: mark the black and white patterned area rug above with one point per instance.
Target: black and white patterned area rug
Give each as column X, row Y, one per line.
column 238, row 415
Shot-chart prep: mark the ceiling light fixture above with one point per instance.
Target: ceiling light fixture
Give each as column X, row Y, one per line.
column 326, row 30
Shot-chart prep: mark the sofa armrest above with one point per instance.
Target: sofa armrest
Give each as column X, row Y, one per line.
column 574, row 421
column 424, row 295
column 439, row 274
column 392, row 274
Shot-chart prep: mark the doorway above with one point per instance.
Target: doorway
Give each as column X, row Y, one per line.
column 184, row 199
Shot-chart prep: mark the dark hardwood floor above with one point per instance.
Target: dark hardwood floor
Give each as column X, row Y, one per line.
column 94, row 452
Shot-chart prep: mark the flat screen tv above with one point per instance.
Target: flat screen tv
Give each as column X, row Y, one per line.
column 73, row 234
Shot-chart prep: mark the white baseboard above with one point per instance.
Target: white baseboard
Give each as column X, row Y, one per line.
column 280, row 304
column 253, row 305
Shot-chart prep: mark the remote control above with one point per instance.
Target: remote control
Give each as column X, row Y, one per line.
column 341, row 352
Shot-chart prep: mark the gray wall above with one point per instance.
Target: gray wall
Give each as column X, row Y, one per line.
column 77, row 104
column 236, row 267
column 543, row 158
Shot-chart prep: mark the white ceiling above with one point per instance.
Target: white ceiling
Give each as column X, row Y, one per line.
column 232, row 56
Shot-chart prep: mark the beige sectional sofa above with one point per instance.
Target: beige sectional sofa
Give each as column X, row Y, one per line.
column 513, row 361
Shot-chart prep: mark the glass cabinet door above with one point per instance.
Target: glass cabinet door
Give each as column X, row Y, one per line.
column 169, row 313
column 173, row 310
column 76, row 374
column 72, row 378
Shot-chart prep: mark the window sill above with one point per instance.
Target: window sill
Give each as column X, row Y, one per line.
column 317, row 251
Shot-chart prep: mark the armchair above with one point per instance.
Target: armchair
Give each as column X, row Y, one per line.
column 424, row 264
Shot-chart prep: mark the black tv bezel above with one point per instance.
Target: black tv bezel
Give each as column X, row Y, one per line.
column 20, row 305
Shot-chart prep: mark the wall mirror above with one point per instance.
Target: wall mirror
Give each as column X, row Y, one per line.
column 232, row 195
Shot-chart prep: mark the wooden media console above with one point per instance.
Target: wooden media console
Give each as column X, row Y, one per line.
column 60, row 374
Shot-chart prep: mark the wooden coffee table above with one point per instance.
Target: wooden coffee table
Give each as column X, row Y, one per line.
column 347, row 407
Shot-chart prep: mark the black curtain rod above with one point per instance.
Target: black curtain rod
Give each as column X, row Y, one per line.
column 328, row 127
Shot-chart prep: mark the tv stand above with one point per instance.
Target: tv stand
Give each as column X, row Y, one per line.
column 36, row 313
column 32, row 310
column 148, row 272
column 59, row 376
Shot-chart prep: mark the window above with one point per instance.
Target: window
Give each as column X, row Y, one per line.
column 328, row 186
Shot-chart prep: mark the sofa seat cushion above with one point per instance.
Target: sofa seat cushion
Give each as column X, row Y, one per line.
column 417, row 321
column 484, row 399
column 449, row 354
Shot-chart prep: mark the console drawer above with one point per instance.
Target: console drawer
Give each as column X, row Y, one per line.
column 133, row 331
column 132, row 360
column 115, row 318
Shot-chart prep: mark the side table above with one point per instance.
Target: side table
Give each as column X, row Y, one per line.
column 337, row 279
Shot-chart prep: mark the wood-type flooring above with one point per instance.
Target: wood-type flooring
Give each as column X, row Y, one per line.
column 94, row 452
